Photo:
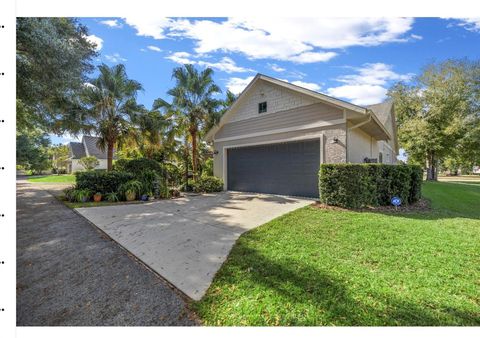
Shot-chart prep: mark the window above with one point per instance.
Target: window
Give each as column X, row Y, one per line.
column 262, row 107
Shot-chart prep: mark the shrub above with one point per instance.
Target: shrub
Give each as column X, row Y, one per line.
column 81, row 195
column 137, row 165
column 112, row 197
column 102, row 181
column 133, row 186
column 208, row 184
column 360, row 185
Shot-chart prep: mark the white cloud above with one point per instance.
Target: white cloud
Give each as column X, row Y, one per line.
column 236, row 85
column 114, row 23
column 470, row 24
column 97, row 41
column 115, row 58
column 311, row 57
column 359, row 94
column 309, row 85
column 301, row 40
column 226, row 64
column 416, row 37
column 154, row 48
column 368, row 84
column 276, row 68
column 180, row 57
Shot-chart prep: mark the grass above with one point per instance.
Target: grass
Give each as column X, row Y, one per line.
column 325, row 267
column 53, row 179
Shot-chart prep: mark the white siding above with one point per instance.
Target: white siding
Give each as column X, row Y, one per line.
column 360, row 145
column 76, row 166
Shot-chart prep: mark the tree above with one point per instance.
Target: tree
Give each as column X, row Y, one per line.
column 53, row 58
column 437, row 111
column 111, row 104
column 32, row 151
column 59, row 155
column 89, row 162
column 193, row 103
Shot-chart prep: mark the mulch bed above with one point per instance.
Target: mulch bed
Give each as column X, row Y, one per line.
column 422, row 205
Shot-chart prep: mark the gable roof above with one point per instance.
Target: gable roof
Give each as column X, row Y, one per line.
column 384, row 111
column 77, row 150
column 325, row 98
column 284, row 84
column 88, row 147
column 92, row 148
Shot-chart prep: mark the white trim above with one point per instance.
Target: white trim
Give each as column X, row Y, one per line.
column 361, row 123
column 224, row 168
column 283, row 130
column 322, row 97
column 320, row 136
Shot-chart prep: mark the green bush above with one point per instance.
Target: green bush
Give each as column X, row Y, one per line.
column 208, row 184
column 103, row 182
column 361, row 185
column 137, row 165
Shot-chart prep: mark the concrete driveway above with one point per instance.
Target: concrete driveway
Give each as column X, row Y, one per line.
column 186, row 240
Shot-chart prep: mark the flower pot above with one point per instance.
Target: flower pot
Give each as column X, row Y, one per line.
column 97, row 197
column 85, row 199
column 130, row 196
column 144, row 198
column 151, row 198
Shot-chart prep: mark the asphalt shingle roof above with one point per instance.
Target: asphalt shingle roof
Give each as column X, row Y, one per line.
column 77, row 150
column 91, row 144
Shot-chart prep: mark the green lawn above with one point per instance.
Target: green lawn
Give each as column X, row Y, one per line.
column 324, row 267
column 53, row 179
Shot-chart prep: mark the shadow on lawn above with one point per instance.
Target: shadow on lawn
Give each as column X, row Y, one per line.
column 334, row 304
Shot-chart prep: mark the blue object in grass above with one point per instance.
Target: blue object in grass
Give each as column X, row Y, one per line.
column 396, row 201
column 144, row 198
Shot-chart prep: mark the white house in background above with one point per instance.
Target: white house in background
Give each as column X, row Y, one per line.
column 88, row 147
column 275, row 135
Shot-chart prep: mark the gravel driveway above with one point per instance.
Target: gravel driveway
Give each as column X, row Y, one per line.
column 69, row 274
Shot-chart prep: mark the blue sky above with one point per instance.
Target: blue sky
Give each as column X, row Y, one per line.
column 356, row 59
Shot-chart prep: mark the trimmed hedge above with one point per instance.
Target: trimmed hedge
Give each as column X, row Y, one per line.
column 372, row 184
column 103, row 182
column 208, row 184
column 137, row 165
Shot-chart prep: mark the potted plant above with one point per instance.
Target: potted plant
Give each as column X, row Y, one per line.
column 130, row 189
column 97, row 197
column 82, row 195
column 112, row 197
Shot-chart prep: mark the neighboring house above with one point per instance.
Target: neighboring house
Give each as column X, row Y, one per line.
column 88, row 147
column 275, row 135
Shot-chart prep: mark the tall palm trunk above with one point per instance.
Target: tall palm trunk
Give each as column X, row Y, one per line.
column 193, row 135
column 110, row 155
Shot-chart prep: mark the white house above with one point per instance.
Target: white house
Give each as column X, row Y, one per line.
column 88, row 147
column 275, row 135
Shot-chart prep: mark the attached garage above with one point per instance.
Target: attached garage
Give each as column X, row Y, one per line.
column 289, row 168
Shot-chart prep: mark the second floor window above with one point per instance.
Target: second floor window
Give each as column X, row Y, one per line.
column 262, row 107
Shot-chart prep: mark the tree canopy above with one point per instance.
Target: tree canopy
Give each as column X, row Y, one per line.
column 438, row 115
column 53, row 60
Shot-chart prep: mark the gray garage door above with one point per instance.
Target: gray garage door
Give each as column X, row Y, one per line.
column 283, row 168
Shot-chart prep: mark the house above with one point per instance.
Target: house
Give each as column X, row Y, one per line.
column 275, row 135
column 88, row 147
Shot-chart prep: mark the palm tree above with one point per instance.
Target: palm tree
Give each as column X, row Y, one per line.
column 193, row 103
column 111, row 102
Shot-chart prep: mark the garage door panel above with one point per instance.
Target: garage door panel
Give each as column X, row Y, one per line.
column 284, row 168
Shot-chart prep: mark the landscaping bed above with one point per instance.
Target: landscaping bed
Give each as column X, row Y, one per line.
column 344, row 267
